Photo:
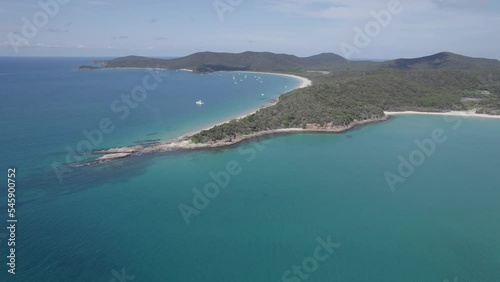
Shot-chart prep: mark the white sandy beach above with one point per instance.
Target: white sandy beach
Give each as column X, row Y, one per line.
column 471, row 114
column 304, row 82
column 183, row 142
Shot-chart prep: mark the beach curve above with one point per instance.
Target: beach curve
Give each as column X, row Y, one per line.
column 183, row 142
column 467, row 114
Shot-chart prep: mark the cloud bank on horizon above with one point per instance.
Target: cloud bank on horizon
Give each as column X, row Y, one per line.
column 300, row 27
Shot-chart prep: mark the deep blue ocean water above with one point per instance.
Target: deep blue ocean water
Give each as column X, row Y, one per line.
column 286, row 194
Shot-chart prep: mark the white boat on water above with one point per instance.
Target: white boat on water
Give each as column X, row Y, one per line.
column 200, row 102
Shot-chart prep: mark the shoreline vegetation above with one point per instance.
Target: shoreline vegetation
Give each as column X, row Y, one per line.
column 334, row 95
column 184, row 142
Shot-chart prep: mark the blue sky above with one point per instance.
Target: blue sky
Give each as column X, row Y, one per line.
column 300, row 27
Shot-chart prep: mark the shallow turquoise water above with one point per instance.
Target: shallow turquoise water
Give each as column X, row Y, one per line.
column 441, row 223
column 46, row 106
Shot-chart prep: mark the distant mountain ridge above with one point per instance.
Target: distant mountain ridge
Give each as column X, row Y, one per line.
column 443, row 60
column 343, row 93
column 249, row 61
column 266, row 61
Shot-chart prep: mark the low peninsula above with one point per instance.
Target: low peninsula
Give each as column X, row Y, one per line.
column 343, row 93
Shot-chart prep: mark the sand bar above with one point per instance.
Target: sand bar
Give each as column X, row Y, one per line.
column 470, row 114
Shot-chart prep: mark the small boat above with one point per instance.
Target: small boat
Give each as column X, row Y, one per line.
column 200, row 102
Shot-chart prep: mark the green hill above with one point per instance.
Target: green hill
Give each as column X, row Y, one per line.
column 443, row 60
column 250, row 61
column 266, row 61
column 135, row 62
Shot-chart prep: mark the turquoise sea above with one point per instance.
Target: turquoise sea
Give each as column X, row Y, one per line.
column 300, row 207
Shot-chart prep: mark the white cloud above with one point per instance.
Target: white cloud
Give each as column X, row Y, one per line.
column 458, row 3
column 327, row 9
column 43, row 45
column 348, row 9
column 98, row 2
